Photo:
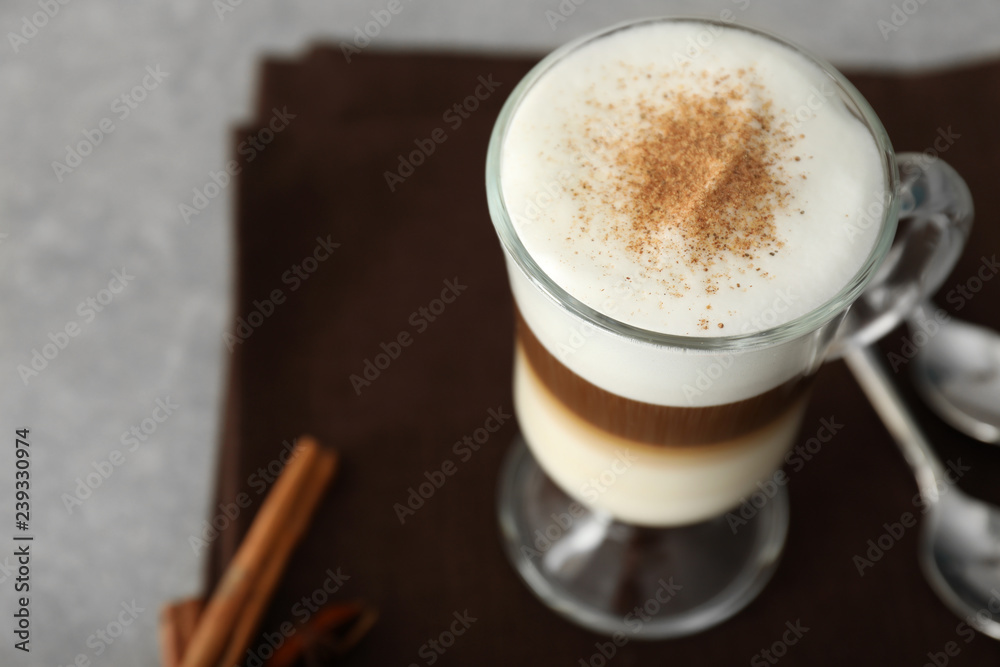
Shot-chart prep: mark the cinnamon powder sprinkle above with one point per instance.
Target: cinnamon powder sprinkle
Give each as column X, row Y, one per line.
column 707, row 168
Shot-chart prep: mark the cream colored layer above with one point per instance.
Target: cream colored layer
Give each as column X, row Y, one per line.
column 638, row 483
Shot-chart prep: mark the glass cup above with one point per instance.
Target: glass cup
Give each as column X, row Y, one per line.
column 651, row 527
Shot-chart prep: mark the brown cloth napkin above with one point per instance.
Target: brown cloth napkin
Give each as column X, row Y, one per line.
column 416, row 286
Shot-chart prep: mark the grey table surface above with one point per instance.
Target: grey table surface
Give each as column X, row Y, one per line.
column 97, row 247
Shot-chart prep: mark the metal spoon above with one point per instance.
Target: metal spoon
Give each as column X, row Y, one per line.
column 957, row 371
column 960, row 540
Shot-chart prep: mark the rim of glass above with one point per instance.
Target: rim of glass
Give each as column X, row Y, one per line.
column 792, row 329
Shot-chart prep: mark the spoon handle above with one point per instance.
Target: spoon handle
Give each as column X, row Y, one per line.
column 870, row 373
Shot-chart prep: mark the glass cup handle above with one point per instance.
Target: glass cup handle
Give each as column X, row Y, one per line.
column 935, row 218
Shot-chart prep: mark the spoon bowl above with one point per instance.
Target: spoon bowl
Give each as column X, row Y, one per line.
column 957, row 371
column 960, row 556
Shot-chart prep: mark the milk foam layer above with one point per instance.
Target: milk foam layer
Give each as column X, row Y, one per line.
column 562, row 172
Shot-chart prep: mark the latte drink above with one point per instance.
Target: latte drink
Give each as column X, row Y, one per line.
column 682, row 192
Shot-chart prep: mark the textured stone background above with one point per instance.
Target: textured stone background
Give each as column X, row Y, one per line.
column 162, row 335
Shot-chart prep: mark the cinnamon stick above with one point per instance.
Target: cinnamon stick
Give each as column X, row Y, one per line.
column 366, row 619
column 178, row 621
column 325, row 621
column 274, row 567
column 249, row 581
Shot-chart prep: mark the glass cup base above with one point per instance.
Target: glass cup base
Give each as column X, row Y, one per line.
column 646, row 583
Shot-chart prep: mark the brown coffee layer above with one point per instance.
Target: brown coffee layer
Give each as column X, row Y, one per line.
column 656, row 424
